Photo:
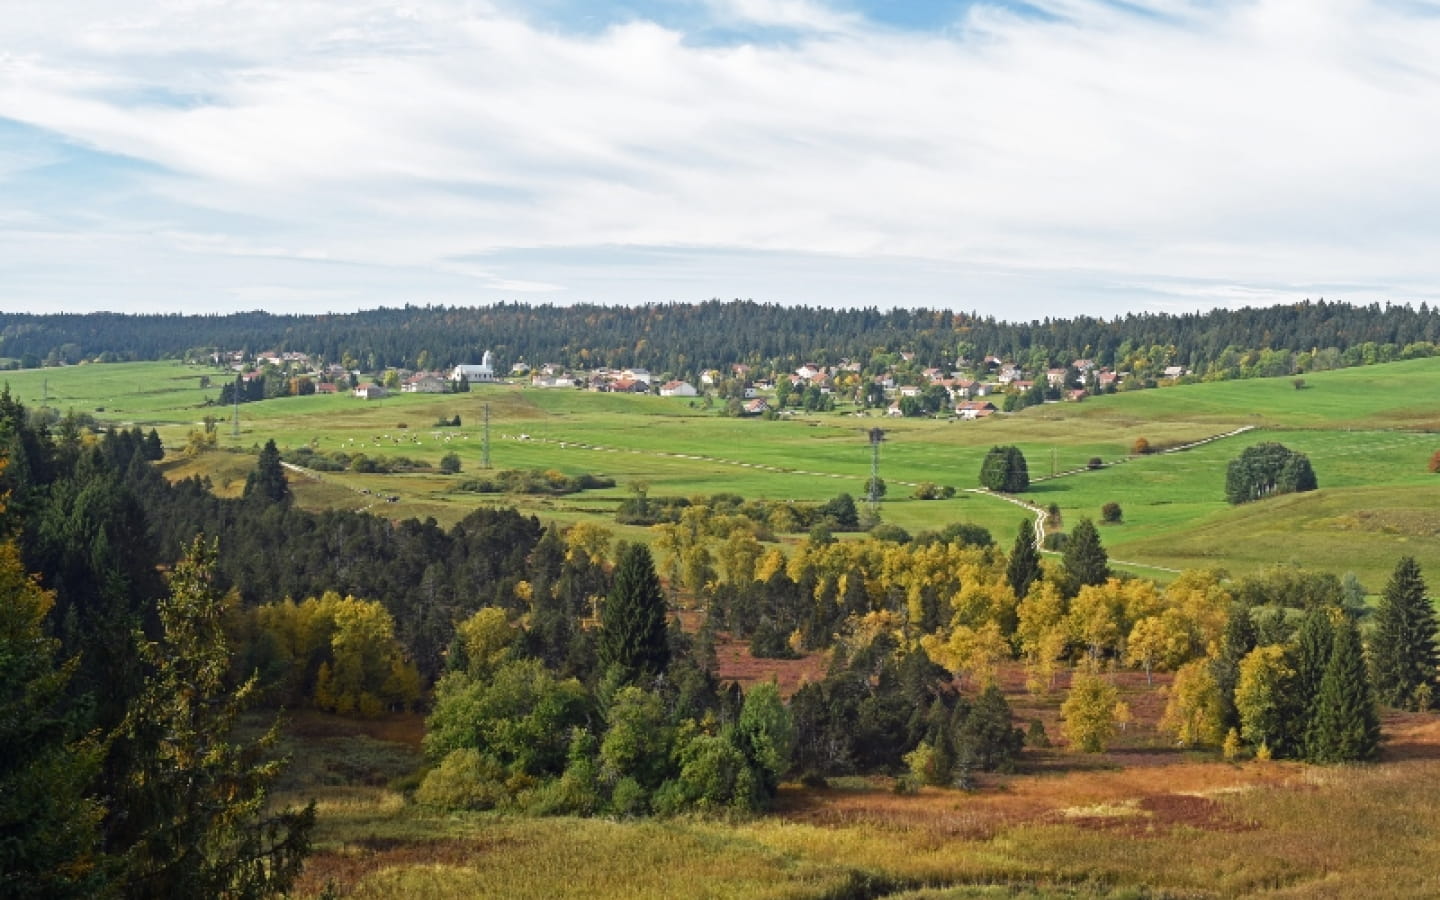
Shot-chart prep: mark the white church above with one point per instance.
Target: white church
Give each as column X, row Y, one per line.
column 472, row 373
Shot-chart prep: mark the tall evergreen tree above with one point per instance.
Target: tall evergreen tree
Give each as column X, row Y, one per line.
column 1345, row 726
column 154, row 449
column 267, row 482
column 1313, row 644
column 1403, row 644
column 188, row 816
column 1023, row 568
column 49, row 828
column 632, row 623
column 1086, row 561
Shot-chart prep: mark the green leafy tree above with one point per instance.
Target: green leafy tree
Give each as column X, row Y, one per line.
column 1402, row 646
column 1344, row 726
column 633, row 619
column 766, row 734
column 1085, row 560
column 1004, row 469
column 267, row 482
column 1265, row 469
column 450, row 464
column 190, row 818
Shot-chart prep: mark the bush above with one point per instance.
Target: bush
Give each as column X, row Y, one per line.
column 1435, row 462
column 887, row 531
column 1140, row 447
column 1111, row 513
column 450, row 463
column 534, row 481
column 1095, row 462
column 929, row 490
column 463, row 780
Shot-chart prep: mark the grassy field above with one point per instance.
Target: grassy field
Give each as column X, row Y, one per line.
column 1368, row 432
column 1141, row 821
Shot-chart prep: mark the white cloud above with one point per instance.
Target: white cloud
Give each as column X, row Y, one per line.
column 1187, row 150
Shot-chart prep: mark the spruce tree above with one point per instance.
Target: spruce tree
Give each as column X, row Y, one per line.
column 1086, row 561
column 1313, row 643
column 1023, row 569
column 154, row 449
column 632, row 623
column 1403, row 644
column 267, row 483
column 1345, row 726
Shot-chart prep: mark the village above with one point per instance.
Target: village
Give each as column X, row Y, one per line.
column 969, row 390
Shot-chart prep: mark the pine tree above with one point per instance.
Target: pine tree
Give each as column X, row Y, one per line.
column 267, row 483
column 1023, row 569
column 1403, row 644
column 632, row 623
column 1086, row 561
column 1345, row 726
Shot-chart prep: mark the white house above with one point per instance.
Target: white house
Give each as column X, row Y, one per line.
column 678, row 389
column 370, row 391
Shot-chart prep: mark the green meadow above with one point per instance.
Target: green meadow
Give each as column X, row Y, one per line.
column 1368, row 433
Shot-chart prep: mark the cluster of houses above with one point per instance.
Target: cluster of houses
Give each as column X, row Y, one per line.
column 969, row 388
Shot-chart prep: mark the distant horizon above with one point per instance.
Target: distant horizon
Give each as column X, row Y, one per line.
column 1021, row 159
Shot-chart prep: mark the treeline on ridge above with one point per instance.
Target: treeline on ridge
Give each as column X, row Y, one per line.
column 684, row 339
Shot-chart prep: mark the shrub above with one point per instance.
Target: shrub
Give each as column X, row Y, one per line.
column 929, row 490
column 1435, row 461
column 450, row 463
column 887, row 531
column 1140, row 447
column 463, row 780
column 1111, row 513
column 1095, row 462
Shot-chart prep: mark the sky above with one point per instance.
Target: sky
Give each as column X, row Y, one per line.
column 1016, row 159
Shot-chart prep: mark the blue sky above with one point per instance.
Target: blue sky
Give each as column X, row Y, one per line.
column 1044, row 158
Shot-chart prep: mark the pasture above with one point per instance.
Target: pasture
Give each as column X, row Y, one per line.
column 1369, row 433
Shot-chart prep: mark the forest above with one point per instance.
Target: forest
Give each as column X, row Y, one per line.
column 683, row 340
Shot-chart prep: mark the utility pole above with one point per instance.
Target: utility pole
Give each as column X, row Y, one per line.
column 485, row 446
column 873, row 488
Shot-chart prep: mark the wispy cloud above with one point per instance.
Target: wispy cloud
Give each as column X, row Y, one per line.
column 1044, row 157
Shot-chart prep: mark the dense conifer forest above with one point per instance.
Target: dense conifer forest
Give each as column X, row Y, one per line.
column 683, row 339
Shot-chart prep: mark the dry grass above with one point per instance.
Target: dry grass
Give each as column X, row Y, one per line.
column 1142, row 821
